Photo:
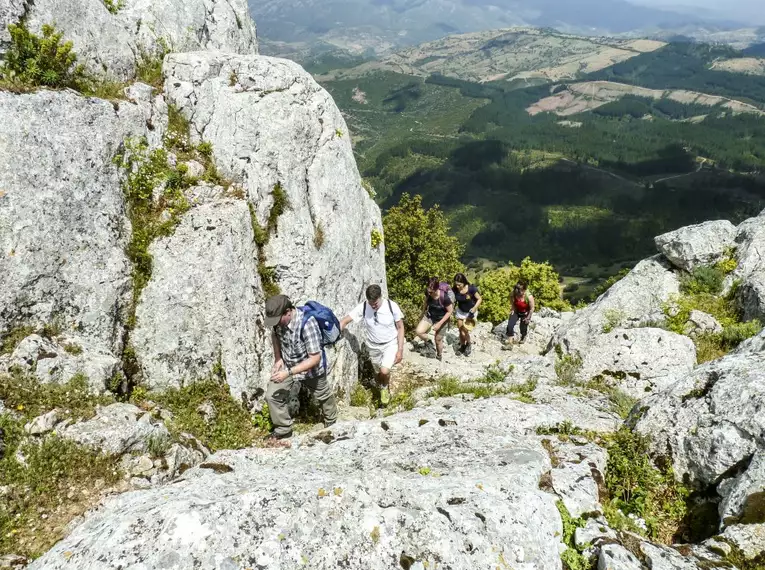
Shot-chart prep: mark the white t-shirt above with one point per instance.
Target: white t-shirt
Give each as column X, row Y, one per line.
column 383, row 329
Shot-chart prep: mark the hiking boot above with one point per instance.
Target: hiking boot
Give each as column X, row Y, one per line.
column 329, row 424
column 523, row 339
column 468, row 349
column 439, row 357
column 384, row 396
column 276, row 436
column 461, row 349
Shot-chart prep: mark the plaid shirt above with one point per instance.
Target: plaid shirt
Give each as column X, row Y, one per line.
column 297, row 347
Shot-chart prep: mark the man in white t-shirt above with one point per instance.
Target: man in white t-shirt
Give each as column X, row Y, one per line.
column 384, row 324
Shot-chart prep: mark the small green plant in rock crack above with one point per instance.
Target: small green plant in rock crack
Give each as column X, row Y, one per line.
column 114, row 6
column 572, row 557
column 262, row 235
column 613, row 319
column 567, row 367
column 376, row 238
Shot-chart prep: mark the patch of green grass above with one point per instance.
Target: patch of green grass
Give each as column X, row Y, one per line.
column 376, row 238
column 262, row 420
column 424, row 471
column 361, row 397
column 73, row 348
column 149, row 67
column 636, row 486
column 493, row 374
column 232, row 427
column 703, row 279
column 567, row 367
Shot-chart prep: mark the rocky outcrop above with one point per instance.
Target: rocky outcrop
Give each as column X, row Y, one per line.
column 113, row 41
column 365, row 495
column 635, row 300
column 63, row 228
column 754, row 344
column 702, row 244
column 638, row 361
column 294, row 139
column 750, row 273
column 710, row 422
column 204, row 304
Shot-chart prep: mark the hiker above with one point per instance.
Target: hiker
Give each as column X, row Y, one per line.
column 468, row 300
column 298, row 358
column 384, row 324
column 522, row 310
column 436, row 312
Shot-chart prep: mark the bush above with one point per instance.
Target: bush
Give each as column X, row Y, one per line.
column 496, row 287
column 704, row 279
column 417, row 246
column 41, row 61
column 608, row 283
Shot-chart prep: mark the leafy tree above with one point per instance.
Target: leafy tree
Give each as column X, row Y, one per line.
column 496, row 287
column 35, row 60
column 417, row 246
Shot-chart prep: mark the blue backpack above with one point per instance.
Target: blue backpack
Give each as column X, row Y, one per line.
column 328, row 323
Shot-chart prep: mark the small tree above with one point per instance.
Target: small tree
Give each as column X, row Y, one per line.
column 34, row 60
column 497, row 286
column 417, row 246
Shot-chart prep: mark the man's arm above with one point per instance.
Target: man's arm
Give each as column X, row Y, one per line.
column 344, row 322
column 278, row 362
column 531, row 308
column 312, row 361
column 447, row 316
column 478, row 300
column 354, row 316
column 400, row 338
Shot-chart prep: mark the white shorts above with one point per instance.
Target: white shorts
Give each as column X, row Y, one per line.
column 383, row 355
column 463, row 316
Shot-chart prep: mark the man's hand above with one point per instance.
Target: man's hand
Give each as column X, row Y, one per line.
column 278, row 365
column 527, row 320
column 279, row 376
column 399, row 356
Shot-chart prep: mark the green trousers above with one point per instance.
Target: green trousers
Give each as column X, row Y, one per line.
column 278, row 396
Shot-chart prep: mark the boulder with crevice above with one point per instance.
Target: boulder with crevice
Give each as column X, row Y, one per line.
column 701, row 244
column 113, row 43
column 636, row 300
column 62, row 245
column 637, row 361
column 744, row 496
column 616, row 557
column 750, row 273
column 700, row 322
column 579, row 476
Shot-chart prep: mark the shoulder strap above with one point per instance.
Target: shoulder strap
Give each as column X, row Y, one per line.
column 364, row 311
column 390, row 308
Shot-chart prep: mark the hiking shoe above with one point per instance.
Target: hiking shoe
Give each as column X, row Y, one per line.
column 384, row 396
column 523, row 339
column 439, row 357
column 276, row 436
column 468, row 349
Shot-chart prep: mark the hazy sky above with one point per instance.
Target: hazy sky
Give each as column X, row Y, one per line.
column 748, row 11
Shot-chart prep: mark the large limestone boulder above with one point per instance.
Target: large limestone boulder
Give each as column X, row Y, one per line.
column 635, row 300
column 638, row 360
column 114, row 42
column 63, row 228
column 204, row 304
column 363, row 495
column 754, row 344
column 294, row 138
column 711, row 421
column 701, row 244
column 750, row 241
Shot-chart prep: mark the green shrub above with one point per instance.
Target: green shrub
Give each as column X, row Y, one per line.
column 262, row 420
column 361, row 397
column 636, row 486
column 41, row 61
column 232, row 427
column 572, row 557
column 496, row 288
column 417, row 246
column 613, row 319
column 567, row 367
column 376, row 238
column 704, row 279
column 114, row 6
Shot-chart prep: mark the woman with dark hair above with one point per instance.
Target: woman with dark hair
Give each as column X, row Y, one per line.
column 522, row 310
column 436, row 312
column 468, row 299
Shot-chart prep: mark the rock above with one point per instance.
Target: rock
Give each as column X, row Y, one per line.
column 345, row 412
column 295, row 138
column 701, row 244
column 207, row 411
column 204, row 304
column 749, row 539
column 701, row 322
column 43, row 424
column 364, row 498
column 744, row 497
column 591, row 412
column 594, row 532
column 576, row 479
column 62, row 245
column 137, row 466
column 616, row 557
column 637, row 361
column 61, row 360
column 752, row 345
column 13, row 562
column 635, row 300
column 521, row 369
column 750, row 253
column 113, row 44
column 665, row 558
column 195, row 169
column 709, row 421
column 116, row 430
column 179, row 458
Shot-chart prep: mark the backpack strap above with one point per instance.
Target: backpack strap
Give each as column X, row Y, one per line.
column 323, row 361
column 390, row 308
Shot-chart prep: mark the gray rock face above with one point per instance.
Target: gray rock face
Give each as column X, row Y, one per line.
column 665, row 558
column 638, row 360
column 204, row 304
column 576, row 478
column 294, row 136
column 616, row 557
column 751, row 345
column 523, row 368
column 700, row 244
column 63, row 243
column 635, row 300
column 748, row 538
column 363, row 499
column 750, row 241
column 711, row 420
column 744, row 497
column 113, row 44
column 701, row 322
column 117, row 429
column 42, row 424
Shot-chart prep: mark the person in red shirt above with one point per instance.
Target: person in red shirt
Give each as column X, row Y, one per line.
column 522, row 310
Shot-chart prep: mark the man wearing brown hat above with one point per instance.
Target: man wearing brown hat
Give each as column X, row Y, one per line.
column 297, row 358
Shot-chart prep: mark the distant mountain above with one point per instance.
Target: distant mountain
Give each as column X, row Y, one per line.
column 381, row 25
